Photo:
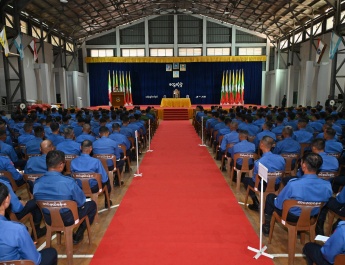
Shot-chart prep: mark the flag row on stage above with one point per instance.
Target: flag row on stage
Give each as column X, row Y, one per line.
column 120, row 82
column 232, row 87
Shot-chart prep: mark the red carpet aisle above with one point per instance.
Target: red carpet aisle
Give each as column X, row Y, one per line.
column 180, row 212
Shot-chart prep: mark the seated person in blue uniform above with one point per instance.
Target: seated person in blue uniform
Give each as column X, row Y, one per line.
column 55, row 136
column 121, row 139
column 332, row 146
column 55, row 186
column 125, row 129
column 7, row 165
column 325, row 255
column 302, row 135
column 86, row 134
column 86, row 163
column 27, row 135
column 247, row 125
column 287, row 145
column 104, row 145
column 33, row 146
column 230, row 138
column 266, row 131
column 37, row 164
column 309, row 188
column 21, row 208
column 8, row 150
column 278, row 129
column 15, row 241
column 69, row 146
column 273, row 163
column 335, row 204
column 243, row 146
column 78, row 128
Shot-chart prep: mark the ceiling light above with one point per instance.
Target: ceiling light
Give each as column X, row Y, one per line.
column 64, row 1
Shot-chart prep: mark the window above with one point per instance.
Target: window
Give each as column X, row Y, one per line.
column 218, row 51
column 161, row 52
column 298, row 37
column 317, row 28
column 329, row 23
column 23, row 27
column 69, row 46
column 102, row 53
column 189, row 51
column 249, row 51
column 133, row 52
column 36, row 32
column 55, row 40
column 307, row 34
column 9, row 20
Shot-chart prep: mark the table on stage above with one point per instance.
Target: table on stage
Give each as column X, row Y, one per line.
column 176, row 102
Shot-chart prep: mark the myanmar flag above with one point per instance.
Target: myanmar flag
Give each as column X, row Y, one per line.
column 222, row 96
column 242, row 88
column 230, row 89
column 109, row 88
column 226, row 90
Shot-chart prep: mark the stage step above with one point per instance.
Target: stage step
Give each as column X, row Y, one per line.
column 175, row 114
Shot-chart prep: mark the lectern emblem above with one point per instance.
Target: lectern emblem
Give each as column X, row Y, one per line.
column 117, row 99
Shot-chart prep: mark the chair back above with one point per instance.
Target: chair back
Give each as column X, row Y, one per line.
column 303, row 147
column 84, row 177
column 104, row 157
column 289, row 158
column 326, row 175
column 68, row 159
column 304, row 221
column 339, row 259
column 30, row 180
column 17, row 262
column 8, row 175
column 245, row 160
column 54, row 207
column 336, row 155
column 271, row 181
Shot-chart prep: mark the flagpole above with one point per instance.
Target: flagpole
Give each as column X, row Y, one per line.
column 149, row 150
column 202, row 132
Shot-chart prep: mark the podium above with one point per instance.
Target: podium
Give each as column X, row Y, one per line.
column 117, row 99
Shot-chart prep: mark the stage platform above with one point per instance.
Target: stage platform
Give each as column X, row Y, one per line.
column 190, row 109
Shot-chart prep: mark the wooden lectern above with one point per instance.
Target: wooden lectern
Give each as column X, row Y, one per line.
column 117, row 99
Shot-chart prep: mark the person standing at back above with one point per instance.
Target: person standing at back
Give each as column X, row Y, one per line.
column 284, row 102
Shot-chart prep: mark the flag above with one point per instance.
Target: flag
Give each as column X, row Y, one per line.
column 127, row 90
column 124, row 88
column 233, row 86
column 335, row 42
column 226, row 101
column 320, row 50
column 242, row 87
column 113, row 81
column 19, row 46
column 116, row 82
column 238, row 84
column 231, row 96
column 130, row 89
column 3, row 41
column 120, row 79
column 34, row 50
column 222, row 96
column 109, row 88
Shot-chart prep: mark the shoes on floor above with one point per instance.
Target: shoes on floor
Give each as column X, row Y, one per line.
column 40, row 232
column 77, row 238
column 254, row 207
column 266, row 229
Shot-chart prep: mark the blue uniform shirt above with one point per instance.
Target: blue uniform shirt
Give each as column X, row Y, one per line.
column 330, row 163
column 84, row 136
column 306, row 188
column 7, row 165
column 86, row 163
column 16, row 205
column 273, row 163
column 287, row 146
column 120, row 139
column 251, row 128
column 33, row 146
column 55, row 138
column 335, row 244
column 230, row 138
column 16, row 243
column 333, row 146
column 303, row 136
column 55, row 186
column 24, row 138
column 127, row 131
column 69, row 147
column 341, row 196
column 317, row 126
column 242, row 147
column 78, row 130
column 104, row 145
column 36, row 165
column 8, row 150
column 278, row 130
column 260, row 135
column 259, row 122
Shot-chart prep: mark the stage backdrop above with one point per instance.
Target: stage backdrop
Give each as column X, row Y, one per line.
column 202, row 81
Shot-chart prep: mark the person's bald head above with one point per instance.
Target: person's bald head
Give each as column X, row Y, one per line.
column 86, row 128
column 46, row 146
